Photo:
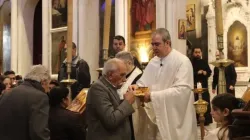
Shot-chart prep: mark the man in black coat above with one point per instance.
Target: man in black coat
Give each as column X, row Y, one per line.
column 79, row 71
column 24, row 109
column 202, row 72
column 231, row 77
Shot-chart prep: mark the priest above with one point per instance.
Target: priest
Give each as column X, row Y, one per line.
column 169, row 75
column 202, row 72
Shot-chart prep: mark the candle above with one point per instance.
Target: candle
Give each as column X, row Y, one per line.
column 69, row 31
column 199, row 86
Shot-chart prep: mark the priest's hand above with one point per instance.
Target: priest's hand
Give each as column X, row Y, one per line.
column 213, row 91
column 200, row 71
column 147, row 97
column 204, row 72
column 231, row 87
column 133, row 87
column 130, row 96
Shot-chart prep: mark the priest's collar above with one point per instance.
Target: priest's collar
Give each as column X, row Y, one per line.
column 130, row 72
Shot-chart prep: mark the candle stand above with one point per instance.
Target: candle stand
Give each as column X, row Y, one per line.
column 68, row 82
column 201, row 109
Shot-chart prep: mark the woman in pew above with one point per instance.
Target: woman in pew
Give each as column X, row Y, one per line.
column 63, row 124
column 222, row 106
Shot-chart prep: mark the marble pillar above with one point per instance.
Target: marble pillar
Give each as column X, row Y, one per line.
column 22, row 35
column 174, row 10
column 89, row 34
column 14, row 35
column 46, row 34
column 212, row 40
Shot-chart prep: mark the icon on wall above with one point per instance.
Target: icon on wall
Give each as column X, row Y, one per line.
column 237, row 39
column 190, row 14
column 182, row 29
column 59, row 13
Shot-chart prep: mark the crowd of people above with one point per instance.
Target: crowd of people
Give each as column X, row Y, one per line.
column 35, row 107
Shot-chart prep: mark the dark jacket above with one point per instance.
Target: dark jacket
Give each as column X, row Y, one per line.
column 107, row 116
column 65, row 124
column 200, row 64
column 79, row 72
column 231, row 77
column 24, row 113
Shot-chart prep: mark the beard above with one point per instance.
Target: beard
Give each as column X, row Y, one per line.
column 197, row 58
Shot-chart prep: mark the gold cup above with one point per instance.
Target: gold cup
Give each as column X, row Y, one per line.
column 140, row 93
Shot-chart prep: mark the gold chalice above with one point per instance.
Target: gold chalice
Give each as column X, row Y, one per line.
column 201, row 109
column 140, row 93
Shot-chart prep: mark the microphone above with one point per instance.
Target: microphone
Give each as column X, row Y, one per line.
column 161, row 64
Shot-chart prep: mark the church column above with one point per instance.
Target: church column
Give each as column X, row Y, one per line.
column 14, row 35
column 46, row 33
column 25, row 9
column 175, row 10
column 212, row 42
column 120, row 17
column 89, row 34
column 161, row 11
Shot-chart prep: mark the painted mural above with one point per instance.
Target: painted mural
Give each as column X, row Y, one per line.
column 237, row 44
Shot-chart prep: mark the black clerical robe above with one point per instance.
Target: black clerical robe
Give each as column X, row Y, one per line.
column 230, row 75
column 199, row 64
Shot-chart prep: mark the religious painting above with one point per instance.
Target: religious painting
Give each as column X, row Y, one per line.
column 190, row 14
column 182, row 29
column 59, row 13
column 143, row 16
column 237, row 44
column 58, row 54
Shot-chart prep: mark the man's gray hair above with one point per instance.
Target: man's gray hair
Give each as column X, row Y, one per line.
column 125, row 56
column 110, row 66
column 164, row 33
column 38, row 73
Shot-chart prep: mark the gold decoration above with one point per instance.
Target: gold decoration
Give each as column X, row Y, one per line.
column 140, row 93
column 79, row 103
column 201, row 109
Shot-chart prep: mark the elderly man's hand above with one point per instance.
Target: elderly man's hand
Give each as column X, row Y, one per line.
column 130, row 96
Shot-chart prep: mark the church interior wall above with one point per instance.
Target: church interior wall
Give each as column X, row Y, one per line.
column 88, row 29
column 22, row 13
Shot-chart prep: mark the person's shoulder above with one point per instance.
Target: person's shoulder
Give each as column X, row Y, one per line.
column 180, row 55
column 70, row 114
column 97, row 85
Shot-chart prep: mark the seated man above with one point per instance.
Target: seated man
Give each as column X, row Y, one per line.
column 107, row 116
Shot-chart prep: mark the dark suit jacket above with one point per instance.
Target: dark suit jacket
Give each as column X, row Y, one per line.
column 231, row 77
column 79, row 71
column 65, row 124
column 24, row 113
column 107, row 116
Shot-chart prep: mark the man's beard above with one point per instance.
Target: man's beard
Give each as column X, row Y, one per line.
column 197, row 58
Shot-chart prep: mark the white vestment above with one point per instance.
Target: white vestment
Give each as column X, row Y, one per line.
column 128, row 82
column 213, row 134
column 171, row 106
